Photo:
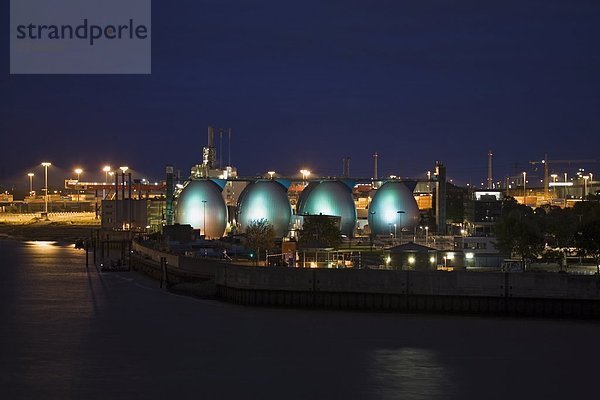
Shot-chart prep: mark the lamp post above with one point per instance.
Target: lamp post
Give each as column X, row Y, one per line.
column 585, row 179
column 554, row 176
column 46, row 165
column 427, row 236
column 30, row 175
column 372, row 213
column 401, row 213
column 271, row 173
column 305, row 174
column 204, row 218
column 524, row 188
column 591, row 180
column 106, row 170
column 395, row 233
column 78, row 171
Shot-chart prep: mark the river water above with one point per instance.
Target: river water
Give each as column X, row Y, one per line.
column 69, row 332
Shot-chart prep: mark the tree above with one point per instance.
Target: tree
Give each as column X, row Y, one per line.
column 320, row 231
column 588, row 241
column 260, row 234
column 518, row 232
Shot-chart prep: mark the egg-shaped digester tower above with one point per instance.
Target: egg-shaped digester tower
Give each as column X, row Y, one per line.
column 393, row 203
column 329, row 198
column 265, row 199
column 201, row 205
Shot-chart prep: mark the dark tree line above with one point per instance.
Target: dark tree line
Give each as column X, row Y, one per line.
column 528, row 233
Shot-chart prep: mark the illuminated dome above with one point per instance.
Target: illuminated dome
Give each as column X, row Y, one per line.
column 329, row 198
column 391, row 197
column 265, row 199
column 199, row 199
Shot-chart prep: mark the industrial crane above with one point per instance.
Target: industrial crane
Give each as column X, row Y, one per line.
column 547, row 162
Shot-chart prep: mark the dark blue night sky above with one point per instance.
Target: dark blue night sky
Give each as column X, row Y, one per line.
column 303, row 84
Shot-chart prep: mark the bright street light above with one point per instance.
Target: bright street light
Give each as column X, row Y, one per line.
column 78, row 171
column 46, row 165
column 271, row 173
column 106, row 170
column 305, row 173
column 524, row 187
column 30, row 175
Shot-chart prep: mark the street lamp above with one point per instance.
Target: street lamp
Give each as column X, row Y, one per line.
column 554, row 176
column 78, row 171
column 204, row 218
column 271, row 173
column 305, row 173
column 400, row 212
column 585, row 179
column 524, row 187
column 106, row 170
column 591, row 180
column 426, row 236
column 371, row 226
column 46, row 165
column 30, row 175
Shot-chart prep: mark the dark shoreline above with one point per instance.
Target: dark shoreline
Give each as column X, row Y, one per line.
column 60, row 232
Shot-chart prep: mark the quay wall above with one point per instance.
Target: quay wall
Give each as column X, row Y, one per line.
column 534, row 294
column 497, row 293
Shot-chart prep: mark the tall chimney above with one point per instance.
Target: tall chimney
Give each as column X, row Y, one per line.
column 490, row 180
column 211, row 137
column 346, row 167
column 375, row 156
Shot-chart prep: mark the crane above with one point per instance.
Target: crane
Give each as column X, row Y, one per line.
column 547, row 162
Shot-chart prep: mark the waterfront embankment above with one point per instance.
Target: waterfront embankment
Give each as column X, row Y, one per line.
column 493, row 293
column 60, row 227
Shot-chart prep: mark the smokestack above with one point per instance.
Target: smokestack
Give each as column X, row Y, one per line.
column 220, row 148
column 229, row 149
column 211, row 137
column 375, row 156
column 346, row 167
column 490, row 180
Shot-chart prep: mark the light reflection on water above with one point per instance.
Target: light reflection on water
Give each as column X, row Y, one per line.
column 408, row 373
column 43, row 246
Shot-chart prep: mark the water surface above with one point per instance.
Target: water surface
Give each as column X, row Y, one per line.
column 69, row 332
